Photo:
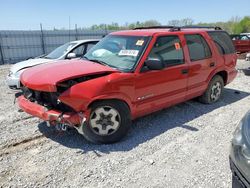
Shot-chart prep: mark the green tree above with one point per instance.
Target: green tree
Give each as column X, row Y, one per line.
column 243, row 26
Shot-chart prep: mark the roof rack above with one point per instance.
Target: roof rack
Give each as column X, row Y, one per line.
column 176, row 28
column 201, row 27
column 172, row 28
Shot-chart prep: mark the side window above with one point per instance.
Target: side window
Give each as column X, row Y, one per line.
column 198, row 47
column 79, row 50
column 223, row 41
column 89, row 46
column 169, row 50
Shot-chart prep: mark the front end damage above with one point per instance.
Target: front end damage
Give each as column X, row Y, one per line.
column 60, row 97
column 47, row 106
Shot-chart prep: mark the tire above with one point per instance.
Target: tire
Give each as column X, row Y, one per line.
column 213, row 91
column 109, row 122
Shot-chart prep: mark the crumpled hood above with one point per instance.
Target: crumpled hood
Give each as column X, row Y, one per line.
column 28, row 63
column 45, row 77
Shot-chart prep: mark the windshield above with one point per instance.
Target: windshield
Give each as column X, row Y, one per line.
column 58, row 52
column 120, row 52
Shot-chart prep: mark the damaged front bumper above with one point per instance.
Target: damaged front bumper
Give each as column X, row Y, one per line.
column 54, row 117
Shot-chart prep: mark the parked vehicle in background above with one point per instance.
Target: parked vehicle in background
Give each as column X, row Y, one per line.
column 129, row 74
column 248, row 57
column 240, row 154
column 248, row 34
column 70, row 50
column 241, row 43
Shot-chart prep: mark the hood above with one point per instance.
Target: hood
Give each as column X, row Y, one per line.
column 45, row 77
column 28, row 63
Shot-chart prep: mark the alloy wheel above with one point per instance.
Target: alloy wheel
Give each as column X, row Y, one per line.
column 105, row 120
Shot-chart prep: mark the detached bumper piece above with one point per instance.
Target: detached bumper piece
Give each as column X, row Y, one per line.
column 52, row 116
column 238, row 180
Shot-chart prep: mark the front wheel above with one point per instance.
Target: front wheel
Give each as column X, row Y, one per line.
column 109, row 122
column 214, row 91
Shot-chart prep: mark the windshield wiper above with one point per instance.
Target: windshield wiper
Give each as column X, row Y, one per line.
column 84, row 57
column 98, row 61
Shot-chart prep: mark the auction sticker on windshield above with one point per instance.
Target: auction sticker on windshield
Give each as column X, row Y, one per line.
column 129, row 53
column 139, row 43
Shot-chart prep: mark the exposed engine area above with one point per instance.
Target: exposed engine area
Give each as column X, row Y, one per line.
column 50, row 99
column 46, row 99
column 63, row 86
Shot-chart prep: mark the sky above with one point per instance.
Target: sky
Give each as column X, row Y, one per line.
column 28, row 14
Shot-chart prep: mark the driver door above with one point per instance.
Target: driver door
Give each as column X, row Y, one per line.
column 157, row 89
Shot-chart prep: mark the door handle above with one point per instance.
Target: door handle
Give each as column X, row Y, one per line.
column 212, row 64
column 184, row 71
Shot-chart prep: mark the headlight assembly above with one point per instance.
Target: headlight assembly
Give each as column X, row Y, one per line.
column 241, row 138
column 237, row 138
column 245, row 152
column 18, row 73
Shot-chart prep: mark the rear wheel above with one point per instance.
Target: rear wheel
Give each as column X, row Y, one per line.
column 214, row 91
column 109, row 122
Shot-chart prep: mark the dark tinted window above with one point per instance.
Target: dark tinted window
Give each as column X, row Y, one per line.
column 222, row 41
column 198, row 47
column 169, row 50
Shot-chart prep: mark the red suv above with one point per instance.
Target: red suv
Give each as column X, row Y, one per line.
column 129, row 74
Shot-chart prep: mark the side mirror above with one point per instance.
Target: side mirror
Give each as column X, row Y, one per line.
column 154, row 64
column 71, row 55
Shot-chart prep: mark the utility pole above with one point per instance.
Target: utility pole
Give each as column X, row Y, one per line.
column 1, row 49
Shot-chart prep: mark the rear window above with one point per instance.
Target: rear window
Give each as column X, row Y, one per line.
column 223, row 42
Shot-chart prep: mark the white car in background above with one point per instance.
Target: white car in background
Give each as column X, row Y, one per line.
column 248, row 34
column 70, row 50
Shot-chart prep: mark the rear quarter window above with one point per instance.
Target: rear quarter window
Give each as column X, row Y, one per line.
column 222, row 41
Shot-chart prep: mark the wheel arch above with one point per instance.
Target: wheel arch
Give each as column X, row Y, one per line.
column 222, row 73
column 224, row 76
column 109, row 99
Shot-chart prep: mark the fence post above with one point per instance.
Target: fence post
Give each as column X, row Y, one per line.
column 76, row 34
column 1, row 49
column 106, row 30
column 42, row 39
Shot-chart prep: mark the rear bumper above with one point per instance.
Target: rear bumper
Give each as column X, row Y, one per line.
column 34, row 109
column 231, row 76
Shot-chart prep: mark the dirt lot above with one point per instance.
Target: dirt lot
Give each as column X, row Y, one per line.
column 183, row 146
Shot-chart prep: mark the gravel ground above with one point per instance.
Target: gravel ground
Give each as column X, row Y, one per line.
column 183, row 146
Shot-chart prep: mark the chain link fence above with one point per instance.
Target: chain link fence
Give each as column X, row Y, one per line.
column 16, row 46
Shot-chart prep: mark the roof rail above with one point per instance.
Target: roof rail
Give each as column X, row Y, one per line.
column 172, row 28
column 201, row 27
column 176, row 28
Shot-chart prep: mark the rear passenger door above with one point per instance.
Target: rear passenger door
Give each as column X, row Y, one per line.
column 201, row 64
